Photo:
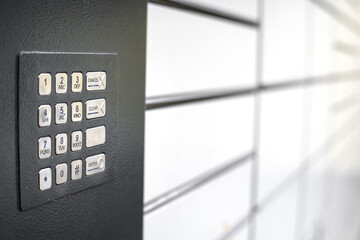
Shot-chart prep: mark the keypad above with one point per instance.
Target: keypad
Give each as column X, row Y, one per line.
column 71, row 141
column 69, row 123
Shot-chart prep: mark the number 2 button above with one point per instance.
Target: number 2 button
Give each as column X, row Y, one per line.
column 61, row 82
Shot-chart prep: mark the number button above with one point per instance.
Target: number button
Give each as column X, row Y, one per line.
column 61, row 173
column 44, row 115
column 60, row 113
column 44, row 147
column 61, row 82
column 44, row 84
column 76, row 111
column 76, row 141
column 61, row 143
column 76, row 169
column 76, row 81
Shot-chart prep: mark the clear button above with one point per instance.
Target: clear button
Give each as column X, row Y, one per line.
column 95, row 108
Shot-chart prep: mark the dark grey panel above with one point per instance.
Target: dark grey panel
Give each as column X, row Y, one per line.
column 114, row 209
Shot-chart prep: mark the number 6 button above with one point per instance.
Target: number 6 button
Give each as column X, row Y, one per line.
column 76, row 111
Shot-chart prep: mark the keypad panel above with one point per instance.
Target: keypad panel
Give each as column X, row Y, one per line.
column 55, row 139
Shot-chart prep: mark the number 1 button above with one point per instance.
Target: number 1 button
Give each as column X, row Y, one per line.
column 44, row 84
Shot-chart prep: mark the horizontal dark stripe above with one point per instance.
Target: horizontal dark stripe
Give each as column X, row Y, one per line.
column 191, row 97
column 207, row 11
column 193, row 184
column 343, row 18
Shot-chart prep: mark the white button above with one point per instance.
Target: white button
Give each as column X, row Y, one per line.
column 44, row 84
column 95, row 136
column 95, row 164
column 61, row 82
column 45, row 179
column 95, row 81
column 44, row 147
column 95, row 108
column 61, row 143
column 76, row 111
column 61, row 173
column 44, row 115
column 76, row 141
column 76, row 81
column 76, row 169
column 60, row 113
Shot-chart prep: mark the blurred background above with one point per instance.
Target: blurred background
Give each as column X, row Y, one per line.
column 252, row 120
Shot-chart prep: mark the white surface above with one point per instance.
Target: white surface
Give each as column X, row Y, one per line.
column 190, row 52
column 281, row 129
column 185, row 141
column 278, row 220
column 205, row 213
column 242, row 8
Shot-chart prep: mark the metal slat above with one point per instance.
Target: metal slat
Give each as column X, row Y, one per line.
column 208, row 11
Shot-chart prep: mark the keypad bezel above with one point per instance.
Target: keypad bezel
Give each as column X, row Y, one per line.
column 33, row 64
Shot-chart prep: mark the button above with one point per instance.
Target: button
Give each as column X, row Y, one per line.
column 95, row 81
column 95, row 108
column 61, row 82
column 76, row 111
column 76, row 169
column 95, row 164
column 44, row 84
column 61, row 173
column 60, row 113
column 45, row 179
column 76, row 81
column 61, row 143
column 76, row 141
column 44, row 147
column 95, row 136
column 44, row 115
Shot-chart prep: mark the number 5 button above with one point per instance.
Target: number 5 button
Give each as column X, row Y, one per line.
column 60, row 113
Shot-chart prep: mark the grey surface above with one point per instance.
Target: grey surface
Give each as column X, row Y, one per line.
column 112, row 210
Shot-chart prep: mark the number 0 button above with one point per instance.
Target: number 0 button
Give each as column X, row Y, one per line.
column 60, row 113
